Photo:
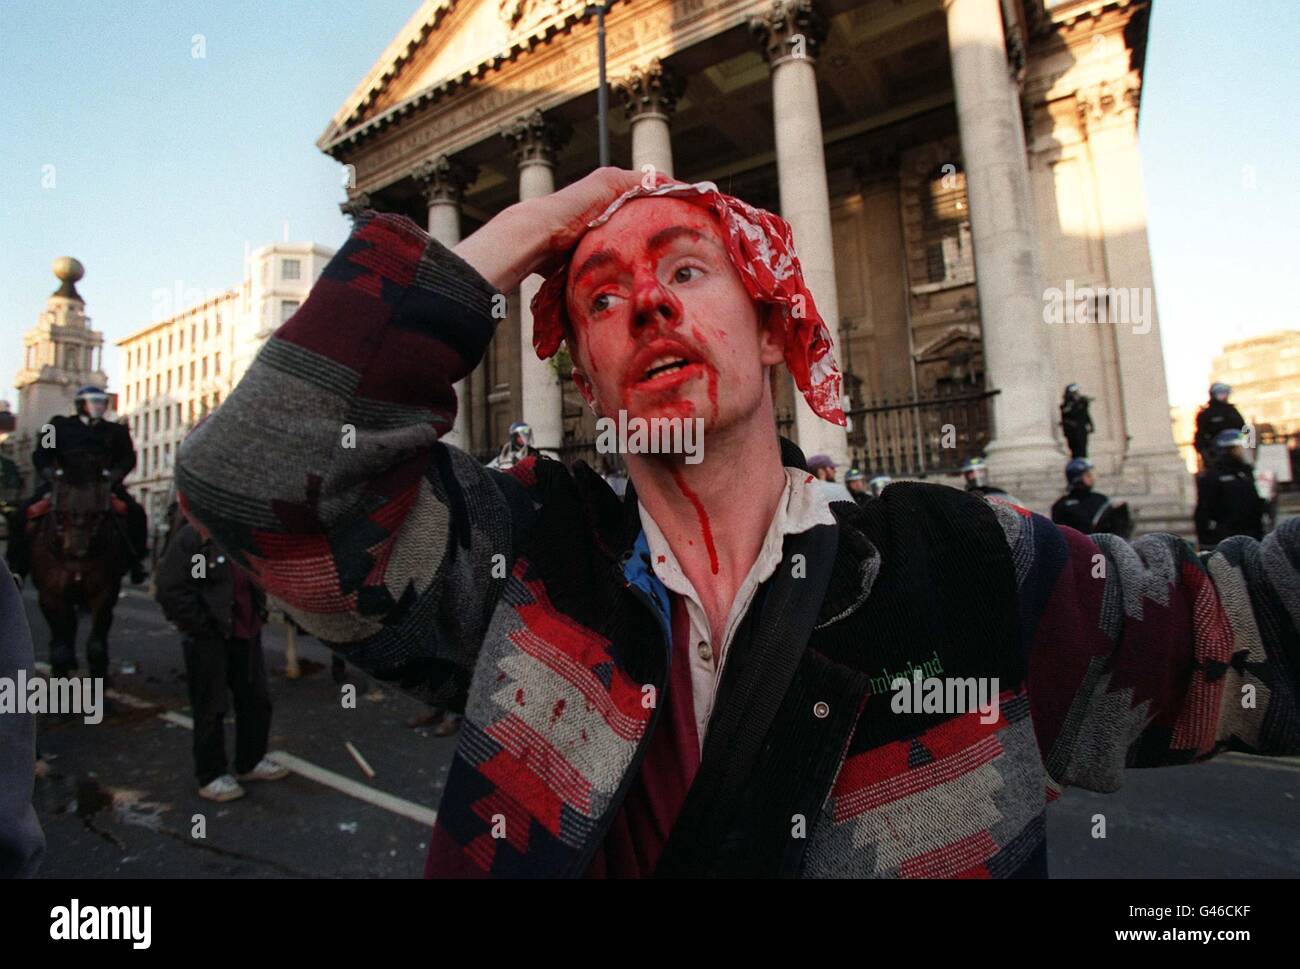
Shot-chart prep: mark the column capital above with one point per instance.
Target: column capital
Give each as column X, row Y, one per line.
column 535, row 139
column 355, row 205
column 1108, row 102
column 443, row 179
column 789, row 30
column 654, row 89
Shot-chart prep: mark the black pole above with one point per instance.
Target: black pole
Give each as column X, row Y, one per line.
column 602, row 92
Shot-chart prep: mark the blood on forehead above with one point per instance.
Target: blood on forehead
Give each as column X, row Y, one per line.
column 761, row 248
column 640, row 232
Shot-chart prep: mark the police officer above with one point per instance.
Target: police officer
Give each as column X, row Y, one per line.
column 1213, row 419
column 856, row 482
column 976, row 472
column 1086, row 510
column 1076, row 424
column 878, row 484
column 519, row 445
column 87, row 431
column 1227, row 501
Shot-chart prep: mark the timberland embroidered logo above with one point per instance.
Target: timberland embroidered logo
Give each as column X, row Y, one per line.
column 949, row 694
column 884, row 682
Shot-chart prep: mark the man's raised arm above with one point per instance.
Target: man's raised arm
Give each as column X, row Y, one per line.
column 1143, row 655
column 322, row 472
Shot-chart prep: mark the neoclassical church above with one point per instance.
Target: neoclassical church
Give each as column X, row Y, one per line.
column 945, row 164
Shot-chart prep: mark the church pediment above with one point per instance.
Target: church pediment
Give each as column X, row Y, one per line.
column 449, row 42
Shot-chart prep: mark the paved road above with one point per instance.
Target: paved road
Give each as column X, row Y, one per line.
column 119, row 798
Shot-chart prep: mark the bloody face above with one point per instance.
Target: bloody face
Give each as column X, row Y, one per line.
column 661, row 323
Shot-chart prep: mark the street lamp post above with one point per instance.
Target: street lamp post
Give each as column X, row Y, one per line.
column 602, row 92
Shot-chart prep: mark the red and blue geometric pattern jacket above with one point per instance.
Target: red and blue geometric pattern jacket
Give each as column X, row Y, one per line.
column 526, row 600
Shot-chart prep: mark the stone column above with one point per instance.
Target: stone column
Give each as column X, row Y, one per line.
column 1008, row 273
column 442, row 182
column 536, row 141
column 1108, row 120
column 790, row 34
column 649, row 97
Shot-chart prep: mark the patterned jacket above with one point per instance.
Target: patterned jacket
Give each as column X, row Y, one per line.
column 526, row 598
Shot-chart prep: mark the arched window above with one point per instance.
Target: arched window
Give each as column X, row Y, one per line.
column 945, row 227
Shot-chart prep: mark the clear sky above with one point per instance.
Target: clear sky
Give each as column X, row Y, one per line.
column 165, row 164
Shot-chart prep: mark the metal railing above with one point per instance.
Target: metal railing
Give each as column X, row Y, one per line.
column 920, row 435
column 905, row 436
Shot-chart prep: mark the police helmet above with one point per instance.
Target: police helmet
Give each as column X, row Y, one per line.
column 1075, row 470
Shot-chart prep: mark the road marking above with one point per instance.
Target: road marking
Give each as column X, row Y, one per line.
column 1291, row 764
column 362, row 792
column 344, row 785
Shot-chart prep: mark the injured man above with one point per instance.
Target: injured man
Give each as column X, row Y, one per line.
column 725, row 672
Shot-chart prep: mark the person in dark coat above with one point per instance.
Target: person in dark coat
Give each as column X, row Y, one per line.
column 1227, row 501
column 1213, row 419
column 1076, row 423
column 220, row 612
column 1086, row 510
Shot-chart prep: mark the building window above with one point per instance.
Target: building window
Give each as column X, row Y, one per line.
column 204, row 372
column 178, row 415
column 291, row 269
column 945, row 227
column 191, row 371
column 216, row 362
column 194, row 329
column 218, row 324
column 287, row 308
column 167, row 455
column 205, row 331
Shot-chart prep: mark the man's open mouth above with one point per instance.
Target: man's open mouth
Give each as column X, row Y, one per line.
column 663, row 365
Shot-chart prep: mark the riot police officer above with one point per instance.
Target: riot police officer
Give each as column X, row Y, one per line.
column 856, row 482
column 1086, row 510
column 519, row 445
column 1213, row 419
column 1227, row 501
column 1076, row 424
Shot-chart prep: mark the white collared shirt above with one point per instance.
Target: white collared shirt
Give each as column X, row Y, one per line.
column 802, row 506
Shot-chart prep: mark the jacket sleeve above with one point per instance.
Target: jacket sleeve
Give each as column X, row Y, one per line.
column 1145, row 655
column 176, row 592
column 323, row 476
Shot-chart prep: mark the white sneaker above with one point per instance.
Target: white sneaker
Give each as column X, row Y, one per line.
column 266, row 770
column 224, row 788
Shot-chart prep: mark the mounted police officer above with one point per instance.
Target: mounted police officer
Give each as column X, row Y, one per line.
column 1227, row 501
column 86, row 432
column 1086, row 510
column 1213, row 419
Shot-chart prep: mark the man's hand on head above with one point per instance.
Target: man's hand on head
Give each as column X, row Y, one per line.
column 533, row 236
